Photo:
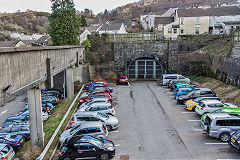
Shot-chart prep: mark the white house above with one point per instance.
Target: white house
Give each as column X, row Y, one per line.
column 147, row 21
column 113, row 28
column 84, row 34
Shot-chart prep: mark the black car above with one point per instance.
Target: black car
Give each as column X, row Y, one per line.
column 87, row 147
column 235, row 140
column 199, row 92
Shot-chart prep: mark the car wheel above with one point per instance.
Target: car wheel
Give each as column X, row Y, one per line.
column 224, row 137
column 193, row 108
column 104, row 156
column 109, row 128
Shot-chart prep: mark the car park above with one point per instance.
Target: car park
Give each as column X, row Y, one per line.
column 16, row 120
column 192, row 103
column 13, row 140
column 23, row 130
column 201, row 92
column 111, row 122
column 102, row 108
column 220, row 125
column 87, row 147
column 167, row 77
column 6, row 152
column 208, row 106
column 96, row 129
column 123, row 79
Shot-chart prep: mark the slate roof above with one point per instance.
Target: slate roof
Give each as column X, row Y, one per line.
column 7, row 43
column 199, row 12
column 112, row 26
column 163, row 20
column 43, row 39
column 93, row 28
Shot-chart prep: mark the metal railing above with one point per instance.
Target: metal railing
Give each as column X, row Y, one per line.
column 42, row 155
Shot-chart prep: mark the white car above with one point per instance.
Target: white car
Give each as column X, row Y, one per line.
column 96, row 101
column 209, row 106
column 167, row 77
column 101, row 108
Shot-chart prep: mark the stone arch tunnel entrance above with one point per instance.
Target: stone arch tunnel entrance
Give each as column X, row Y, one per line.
column 146, row 67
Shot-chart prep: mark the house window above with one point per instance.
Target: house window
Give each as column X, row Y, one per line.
column 198, row 20
column 169, row 30
column 182, row 21
column 175, row 30
column 182, row 31
column 197, row 30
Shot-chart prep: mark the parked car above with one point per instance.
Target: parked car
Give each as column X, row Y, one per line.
column 87, row 147
column 111, row 122
column 26, row 113
column 223, row 110
column 167, row 77
column 101, row 81
column 93, row 86
column 177, row 86
column 235, row 139
column 16, row 120
column 123, row 79
column 50, row 99
column 96, row 101
column 13, row 140
column 23, row 130
column 96, row 129
column 201, row 92
column 6, row 152
column 176, row 83
column 102, row 108
column 95, row 91
column 191, row 104
column 220, row 125
column 182, row 91
column 96, row 95
column 208, row 106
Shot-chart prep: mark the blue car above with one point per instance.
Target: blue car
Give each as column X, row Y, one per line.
column 13, row 140
column 16, row 120
column 182, row 91
column 99, row 84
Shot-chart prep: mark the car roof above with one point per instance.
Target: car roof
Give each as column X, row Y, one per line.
column 223, row 115
column 91, row 124
column 100, row 105
column 211, row 101
column 99, row 99
column 204, row 89
column 16, row 117
column 90, row 113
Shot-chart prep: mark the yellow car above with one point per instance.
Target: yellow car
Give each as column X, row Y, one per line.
column 192, row 103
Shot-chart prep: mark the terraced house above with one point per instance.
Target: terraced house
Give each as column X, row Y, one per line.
column 220, row 20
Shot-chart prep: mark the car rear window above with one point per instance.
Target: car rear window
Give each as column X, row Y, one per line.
column 170, row 77
column 123, row 77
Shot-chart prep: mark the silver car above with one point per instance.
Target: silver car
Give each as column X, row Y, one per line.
column 96, row 129
column 102, row 108
column 6, row 152
column 208, row 106
column 96, row 101
column 220, row 125
column 111, row 122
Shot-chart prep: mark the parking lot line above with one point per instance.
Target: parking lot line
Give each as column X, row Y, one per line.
column 216, row 143
column 113, row 131
column 194, row 120
column 198, row 129
column 188, row 112
column 117, row 145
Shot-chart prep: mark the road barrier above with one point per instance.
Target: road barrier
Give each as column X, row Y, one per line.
column 42, row 155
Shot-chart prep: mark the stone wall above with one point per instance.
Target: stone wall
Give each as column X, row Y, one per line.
column 24, row 68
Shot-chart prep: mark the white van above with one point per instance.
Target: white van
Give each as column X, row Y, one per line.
column 167, row 77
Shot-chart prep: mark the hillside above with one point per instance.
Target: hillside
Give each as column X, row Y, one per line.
column 23, row 22
column 134, row 10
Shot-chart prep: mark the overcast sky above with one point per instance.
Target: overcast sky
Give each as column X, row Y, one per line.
column 97, row 6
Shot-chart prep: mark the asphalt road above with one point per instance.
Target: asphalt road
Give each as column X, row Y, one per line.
column 12, row 108
column 154, row 126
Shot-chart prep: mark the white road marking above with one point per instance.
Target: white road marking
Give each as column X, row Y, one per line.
column 188, row 112
column 129, row 84
column 198, row 129
column 169, row 92
column 117, row 145
column 216, row 143
column 3, row 112
column 194, row 120
column 113, row 131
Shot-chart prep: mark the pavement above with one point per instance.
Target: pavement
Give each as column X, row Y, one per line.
column 12, row 108
column 153, row 126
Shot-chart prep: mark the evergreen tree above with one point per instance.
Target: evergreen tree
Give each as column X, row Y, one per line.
column 83, row 21
column 64, row 23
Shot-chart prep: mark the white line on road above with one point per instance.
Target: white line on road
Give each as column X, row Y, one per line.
column 198, row 129
column 117, row 145
column 188, row 112
column 194, row 120
column 216, row 143
column 113, row 131
column 129, row 84
column 3, row 112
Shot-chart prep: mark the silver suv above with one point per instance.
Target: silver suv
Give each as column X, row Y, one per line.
column 111, row 122
column 96, row 129
column 96, row 101
column 102, row 108
column 220, row 125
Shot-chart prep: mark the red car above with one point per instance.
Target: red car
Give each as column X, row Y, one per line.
column 97, row 95
column 123, row 79
column 104, row 82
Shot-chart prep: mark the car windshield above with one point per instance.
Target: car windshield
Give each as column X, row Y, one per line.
column 10, row 137
column 73, row 130
column 103, row 115
column 93, row 141
column 190, row 93
column 197, row 99
column 218, row 111
column 123, row 77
